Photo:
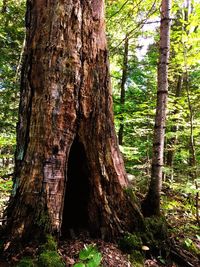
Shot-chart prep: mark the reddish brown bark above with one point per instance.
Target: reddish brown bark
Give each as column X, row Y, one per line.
column 67, row 152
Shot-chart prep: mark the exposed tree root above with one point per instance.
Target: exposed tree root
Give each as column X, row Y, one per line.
column 182, row 256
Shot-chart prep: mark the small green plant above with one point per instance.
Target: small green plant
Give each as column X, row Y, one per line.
column 190, row 245
column 137, row 258
column 26, row 262
column 50, row 244
column 89, row 257
column 162, row 260
column 49, row 256
column 50, row 259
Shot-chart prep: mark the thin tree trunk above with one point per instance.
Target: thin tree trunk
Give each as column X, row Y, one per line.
column 173, row 141
column 4, row 6
column 69, row 172
column 151, row 204
column 123, row 93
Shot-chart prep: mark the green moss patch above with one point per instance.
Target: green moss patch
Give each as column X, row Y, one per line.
column 48, row 256
column 130, row 242
column 50, row 259
column 137, row 258
column 26, row 262
column 50, row 244
column 155, row 231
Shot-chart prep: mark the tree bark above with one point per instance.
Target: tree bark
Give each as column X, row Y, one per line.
column 123, row 92
column 151, row 204
column 67, row 157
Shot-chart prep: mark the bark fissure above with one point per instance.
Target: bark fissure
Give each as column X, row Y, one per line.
column 71, row 114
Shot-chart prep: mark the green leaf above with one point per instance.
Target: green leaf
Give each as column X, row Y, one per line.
column 161, row 260
column 188, row 242
column 87, row 252
column 95, row 261
column 79, row 264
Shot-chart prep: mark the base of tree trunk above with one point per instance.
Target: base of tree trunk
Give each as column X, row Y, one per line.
column 149, row 208
column 69, row 172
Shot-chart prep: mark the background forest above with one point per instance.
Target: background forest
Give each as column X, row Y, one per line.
column 133, row 35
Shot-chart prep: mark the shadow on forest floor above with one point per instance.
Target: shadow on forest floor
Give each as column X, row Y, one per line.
column 184, row 234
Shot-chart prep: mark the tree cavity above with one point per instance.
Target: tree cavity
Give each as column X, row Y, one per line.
column 75, row 211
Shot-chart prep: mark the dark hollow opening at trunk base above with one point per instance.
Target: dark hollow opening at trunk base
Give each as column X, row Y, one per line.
column 75, row 212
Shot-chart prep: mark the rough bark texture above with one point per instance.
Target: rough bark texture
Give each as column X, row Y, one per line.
column 69, row 172
column 123, row 92
column 151, row 204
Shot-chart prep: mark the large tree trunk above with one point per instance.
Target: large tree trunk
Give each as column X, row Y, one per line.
column 151, row 204
column 69, row 172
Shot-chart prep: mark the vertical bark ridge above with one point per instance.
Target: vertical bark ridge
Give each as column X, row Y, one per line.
column 71, row 101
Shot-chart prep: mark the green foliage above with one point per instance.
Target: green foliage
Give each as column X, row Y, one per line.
column 162, row 260
column 26, row 262
column 185, row 198
column 155, row 232
column 11, row 38
column 137, row 258
column 80, row 264
column 49, row 256
column 50, row 259
column 190, row 245
column 5, row 190
column 5, row 186
column 129, row 191
column 50, row 244
column 12, row 32
column 89, row 257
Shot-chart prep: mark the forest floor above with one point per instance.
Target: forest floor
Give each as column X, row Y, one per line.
column 179, row 210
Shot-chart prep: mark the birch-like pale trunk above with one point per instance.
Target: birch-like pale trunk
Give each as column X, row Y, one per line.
column 151, row 204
